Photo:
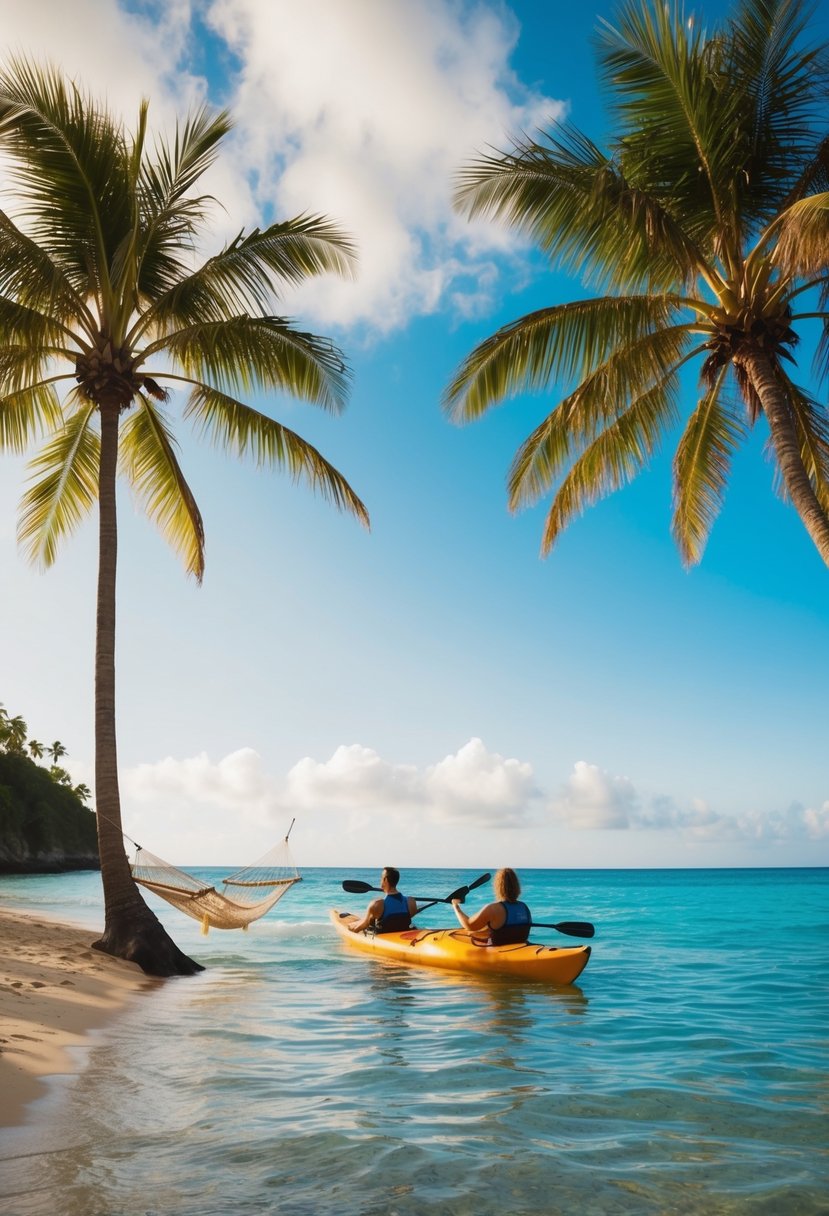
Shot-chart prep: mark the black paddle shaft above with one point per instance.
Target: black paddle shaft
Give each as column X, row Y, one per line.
column 355, row 887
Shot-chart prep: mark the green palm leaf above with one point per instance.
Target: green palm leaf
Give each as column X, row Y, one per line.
column 245, row 276
column 573, row 201
column 231, row 423
column 27, row 410
column 30, row 277
column 68, row 162
column 803, row 237
column 549, row 345
column 614, row 458
column 600, row 400
column 64, row 485
column 248, row 352
column 148, row 458
column 701, row 467
column 706, row 201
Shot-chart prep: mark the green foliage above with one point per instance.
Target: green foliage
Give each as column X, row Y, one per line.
column 97, row 283
column 41, row 818
column 702, row 222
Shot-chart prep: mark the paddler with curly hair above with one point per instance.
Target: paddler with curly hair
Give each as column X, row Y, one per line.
column 505, row 922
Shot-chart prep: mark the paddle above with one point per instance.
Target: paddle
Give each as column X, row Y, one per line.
column 460, row 894
column 575, row 928
column 355, row 887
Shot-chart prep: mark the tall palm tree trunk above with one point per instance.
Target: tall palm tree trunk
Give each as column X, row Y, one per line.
column 760, row 371
column 131, row 929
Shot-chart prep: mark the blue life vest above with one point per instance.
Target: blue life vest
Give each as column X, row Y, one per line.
column 395, row 917
column 516, row 927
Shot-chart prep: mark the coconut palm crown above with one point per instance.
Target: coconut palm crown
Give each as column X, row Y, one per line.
column 705, row 227
column 103, row 310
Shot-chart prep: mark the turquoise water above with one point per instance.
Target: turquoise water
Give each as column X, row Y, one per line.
column 685, row 1073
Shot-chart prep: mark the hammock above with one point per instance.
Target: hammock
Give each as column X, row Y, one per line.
column 246, row 895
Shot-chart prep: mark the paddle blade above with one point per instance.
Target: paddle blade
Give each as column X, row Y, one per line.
column 479, row 882
column 576, row 928
column 462, row 892
column 573, row 928
column 356, row 887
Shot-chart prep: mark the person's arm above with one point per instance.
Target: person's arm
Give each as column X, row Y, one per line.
column 373, row 912
column 481, row 920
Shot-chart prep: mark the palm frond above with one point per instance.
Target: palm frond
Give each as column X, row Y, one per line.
column 701, row 467
column 148, row 459
column 30, row 277
column 42, row 334
column 170, row 216
column 64, row 485
column 180, row 164
column 573, row 201
column 597, row 403
column 675, row 119
column 614, row 458
column 783, row 83
column 28, row 410
column 231, row 423
column 549, row 345
column 814, row 178
column 247, row 274
column 261, row 352
column 803, row 237
column 69, row 162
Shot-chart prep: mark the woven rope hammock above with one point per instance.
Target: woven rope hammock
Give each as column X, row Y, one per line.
column 245, row 896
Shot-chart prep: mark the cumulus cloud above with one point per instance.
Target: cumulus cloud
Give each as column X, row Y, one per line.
column 235, row 807
column 363, row 111
column 593, row 799
column 472, row 785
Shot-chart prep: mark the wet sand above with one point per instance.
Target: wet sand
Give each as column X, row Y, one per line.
column 54, row 989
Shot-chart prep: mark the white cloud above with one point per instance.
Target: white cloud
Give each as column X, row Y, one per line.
column 211, row 811
column 593, row 799
column 362, row 110
column 355, row 777
column 472, row 785
column 365, row 111
column 477, row 786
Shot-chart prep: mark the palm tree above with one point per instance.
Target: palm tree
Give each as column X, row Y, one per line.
column 56, row 751
column 100, row 291
column 705, row 227
column 13, row 733
column 36, row 750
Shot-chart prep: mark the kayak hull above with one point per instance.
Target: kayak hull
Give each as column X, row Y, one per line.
column 454, row 950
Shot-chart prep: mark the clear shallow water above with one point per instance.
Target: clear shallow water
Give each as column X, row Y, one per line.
column 685, row 1073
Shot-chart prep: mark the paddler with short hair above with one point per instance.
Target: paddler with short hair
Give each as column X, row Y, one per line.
column 391, row 914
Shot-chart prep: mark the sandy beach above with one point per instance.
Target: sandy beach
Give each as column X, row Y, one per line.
column 53, row 989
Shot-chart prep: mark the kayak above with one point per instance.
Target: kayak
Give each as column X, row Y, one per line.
column 456, row 950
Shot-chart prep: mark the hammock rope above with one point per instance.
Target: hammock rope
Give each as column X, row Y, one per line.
column 247, row 894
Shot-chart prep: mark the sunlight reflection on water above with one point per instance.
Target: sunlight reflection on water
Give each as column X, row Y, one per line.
column 296, row 1077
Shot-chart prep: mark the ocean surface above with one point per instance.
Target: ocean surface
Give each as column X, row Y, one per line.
column 687, row 1072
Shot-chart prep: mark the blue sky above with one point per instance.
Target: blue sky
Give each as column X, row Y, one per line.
column 432, row 692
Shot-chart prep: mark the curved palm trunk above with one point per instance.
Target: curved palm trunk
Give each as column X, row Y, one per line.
column 131, row 930
column 784, row 437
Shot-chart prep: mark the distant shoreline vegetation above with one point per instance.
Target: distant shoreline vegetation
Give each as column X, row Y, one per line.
column 45, row 824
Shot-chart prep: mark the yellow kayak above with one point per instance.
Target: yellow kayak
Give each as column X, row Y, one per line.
column 456, row 950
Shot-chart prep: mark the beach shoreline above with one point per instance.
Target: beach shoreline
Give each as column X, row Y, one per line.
column 54, row 990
